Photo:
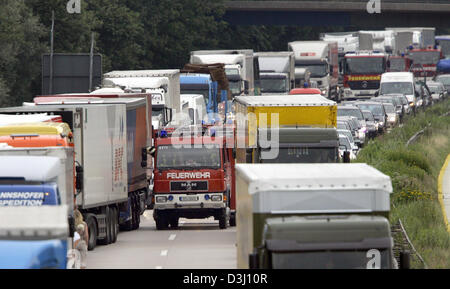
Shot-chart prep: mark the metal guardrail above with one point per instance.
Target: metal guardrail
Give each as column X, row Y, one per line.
column 402, row 241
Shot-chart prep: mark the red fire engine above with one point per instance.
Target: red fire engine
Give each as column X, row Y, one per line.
column 193, row 178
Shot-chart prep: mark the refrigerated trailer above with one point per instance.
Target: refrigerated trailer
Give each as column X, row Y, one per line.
column 109, row 148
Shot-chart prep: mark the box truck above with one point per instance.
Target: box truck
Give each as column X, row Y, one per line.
column 276, row 72
column 313, row 216
column 321, row 58
column 164, row 85
column 110, row 146
column 241, row 67
column 305, row 127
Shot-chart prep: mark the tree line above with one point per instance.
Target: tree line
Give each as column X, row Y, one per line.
column 130, row 34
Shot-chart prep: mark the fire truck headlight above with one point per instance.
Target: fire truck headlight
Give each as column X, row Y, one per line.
column 170, row 198
column 217, row 198
column 161, row 199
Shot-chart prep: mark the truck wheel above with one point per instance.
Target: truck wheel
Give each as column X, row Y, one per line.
column 115, row 223
column 128, row 225
column 93, row 231
column 162, row 222
column 233, row 220
column 107, row 239
column 136, row 212
column 223, row 221
column 174, row 222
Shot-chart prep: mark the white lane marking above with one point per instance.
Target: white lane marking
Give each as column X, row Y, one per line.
column 158, row 267
column 172, row 237
column 164, row 253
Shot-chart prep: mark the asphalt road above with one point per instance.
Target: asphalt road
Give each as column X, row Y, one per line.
column 197, row 244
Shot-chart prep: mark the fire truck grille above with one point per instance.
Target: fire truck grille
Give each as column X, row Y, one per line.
column 189, row 186
column 360, row 85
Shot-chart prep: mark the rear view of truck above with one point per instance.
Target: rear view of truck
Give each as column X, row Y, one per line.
column 302, row 129
column 303, row 216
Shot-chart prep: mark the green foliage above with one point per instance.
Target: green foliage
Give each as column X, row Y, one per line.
column 414, row 171
column 20, row 49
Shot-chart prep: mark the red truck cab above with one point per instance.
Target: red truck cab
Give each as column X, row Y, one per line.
column 399, row 63
column 194, row 179
column 425, row 61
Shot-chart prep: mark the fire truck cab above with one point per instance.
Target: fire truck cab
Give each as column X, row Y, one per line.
column 362, row 73
column 193, row 179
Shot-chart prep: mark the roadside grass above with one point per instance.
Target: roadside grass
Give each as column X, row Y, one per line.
column 414, row 171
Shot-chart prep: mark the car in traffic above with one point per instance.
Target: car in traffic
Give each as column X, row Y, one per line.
column 348, row 134
column 438, row 91
column 353, row 125
column 392, row 116
column 372, row 125
column 352, row 110
column 345, row 146
column 445, row 80
column 378, row 111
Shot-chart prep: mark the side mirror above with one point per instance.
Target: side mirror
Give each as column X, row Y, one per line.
column 169, row 115
column 234, row 153
column 253, row 260
column 246, row 87
column 405, row 260
column 377, row 93
column 346, row 157
column 144, row 158
column 152, row 151
column 71, row 221
column 388, row 64
column 79, row 178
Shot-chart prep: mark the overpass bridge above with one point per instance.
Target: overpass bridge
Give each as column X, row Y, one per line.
column 347, row 13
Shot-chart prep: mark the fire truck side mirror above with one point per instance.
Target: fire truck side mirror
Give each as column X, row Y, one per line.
column 152, row 151
column 388, row 64
column 234, row 153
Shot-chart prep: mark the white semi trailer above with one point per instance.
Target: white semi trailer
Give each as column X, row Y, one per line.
column 241, row 68
column 276, row 71
column 164, row 85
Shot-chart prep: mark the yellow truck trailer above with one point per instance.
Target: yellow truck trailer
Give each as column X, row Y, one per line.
column 302, row 128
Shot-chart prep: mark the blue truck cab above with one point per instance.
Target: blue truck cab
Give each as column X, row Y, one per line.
column 34, row 222
column 197, row 83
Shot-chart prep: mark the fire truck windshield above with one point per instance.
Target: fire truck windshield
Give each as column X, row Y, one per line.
column 397, row 64
column 364, row 65
column 172, row 157
column 425, row 57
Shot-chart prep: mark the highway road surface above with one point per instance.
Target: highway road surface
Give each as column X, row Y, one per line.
column 197, row 244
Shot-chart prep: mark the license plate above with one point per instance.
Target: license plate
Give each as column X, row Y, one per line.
column 189, row 199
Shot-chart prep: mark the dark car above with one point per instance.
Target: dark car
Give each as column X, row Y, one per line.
column 372, row 124
column 377, row 109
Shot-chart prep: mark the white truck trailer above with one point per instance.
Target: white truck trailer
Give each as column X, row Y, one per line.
column 105, row 195
column 321, row 58
column 240, row 67
column 312, row 216
column 276, row 72
column 164, row 85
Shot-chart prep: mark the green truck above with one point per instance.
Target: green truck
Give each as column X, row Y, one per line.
column 314, row 216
